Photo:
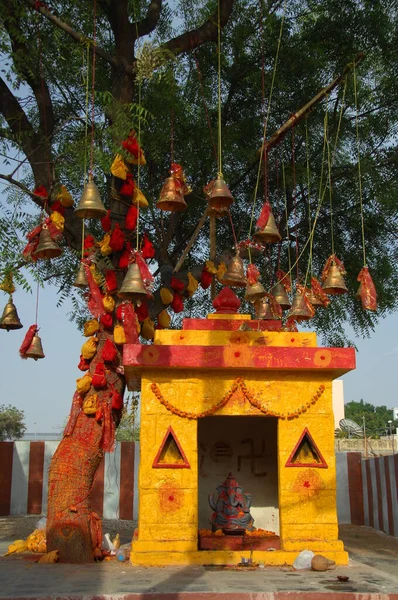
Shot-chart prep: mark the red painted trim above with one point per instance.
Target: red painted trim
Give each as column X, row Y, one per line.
column 6, row 454
column 379, row 494
column 97, row 491
column 126, row 497
column 310, row 441
column 35, row 484
column 229, row 325
column 335, row 360
column 158, row 465
column 355, row 488
column 390, row 514
column 370, row 492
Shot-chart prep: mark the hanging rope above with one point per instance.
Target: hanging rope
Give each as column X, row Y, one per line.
column 93, row 86
column 287, row 225
column 329, row 172
column 200, row 77
column 359, row 168
column 219, row 153
column 307, row 151
column 138, row 139
column 86, row 71
column 294, row 194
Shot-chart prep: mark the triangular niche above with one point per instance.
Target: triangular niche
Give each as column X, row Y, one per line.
column 170, row 454
column 306, row 453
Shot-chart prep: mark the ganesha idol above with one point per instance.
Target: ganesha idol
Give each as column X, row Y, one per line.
column 232, row 508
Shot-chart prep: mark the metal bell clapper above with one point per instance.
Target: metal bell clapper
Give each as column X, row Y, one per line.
column 80, row 279
column 171, row 199
column 133, row 287
column 263, row 310
column 334, row 283
column 35, row 349
column 9, row 319
column 280, row 295
column 270, row 234
column 220, row 196
column 300, row 311
column 254, row 292
column 235, row 274
column 47, row 248
column 90, row 205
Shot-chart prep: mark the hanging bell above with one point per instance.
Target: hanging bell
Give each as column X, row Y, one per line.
column 280, row 295
column 47, row 248
column 316, row 303
column 254, row 292
column 80, row 279
column 300, row 311
column 171, row 199
column 133, row 287
column 218, row 213
column 9, row 319
column 263, row 310
column 235, row 274
column 334, row 283
column 35, row 349
column 270, row 234
column 220, row 196
column 90, row 205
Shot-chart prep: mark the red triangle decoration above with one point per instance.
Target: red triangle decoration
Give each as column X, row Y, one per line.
column 170, row 454
column 306, row 453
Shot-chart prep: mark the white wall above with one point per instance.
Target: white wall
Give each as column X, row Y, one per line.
column 338, row 401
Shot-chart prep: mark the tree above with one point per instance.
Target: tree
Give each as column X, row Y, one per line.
column 12, row 426
column 128, row 429
column 156, row 72
column 376, row 417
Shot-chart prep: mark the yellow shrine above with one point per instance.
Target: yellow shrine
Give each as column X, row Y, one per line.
column 227, row 395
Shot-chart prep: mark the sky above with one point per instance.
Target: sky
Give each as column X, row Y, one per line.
column 43, row 389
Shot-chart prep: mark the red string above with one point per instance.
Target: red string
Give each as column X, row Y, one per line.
column 200, row 76
column 93, row 87
column 265, row 155
column 295, row 203
column 172, row 134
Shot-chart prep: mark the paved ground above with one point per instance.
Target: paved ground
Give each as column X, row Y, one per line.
column 373, row 574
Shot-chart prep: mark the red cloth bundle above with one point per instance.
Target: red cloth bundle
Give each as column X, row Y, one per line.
column 94, row 302
column 111, row 282
column 99, row 377
column 130, row 324
column 27, row 340
column 117, row 239
column 252, row 274
column 106, row 321
column 131, row 145
column 109, row 351
column 116, row 400
column 177, row 284
column 83, row 365
column 128, row 186
column 106, row 222
column 264, row 216
column 89, row 243
column 57, row 207
column 131, row 218
column 29, row 251
column 318, row 291
column 41, row 190
column 205, row 279
column 147, row 250
column 284, row 279
column 125, row 257
column 177, row 303
column 142, row 311
column 367, row 291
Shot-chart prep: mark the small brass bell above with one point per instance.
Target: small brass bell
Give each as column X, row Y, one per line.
column 254, row 292
column 80, row 279
column 300, row 311
column 263, row 310
column 171, row 199
column 133, row 287
column 235, row 274
column 47, row 248
column 35, row 349
column 280, row 295
column 270, row 233
column 90, row 205
column 9, row 319
column 316, row 303
column 220, row 196
column 334, row 283
column 218, row 213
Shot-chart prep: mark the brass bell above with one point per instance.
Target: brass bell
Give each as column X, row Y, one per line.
column 218, row 213
column 80, row 279
column 280, row 295
column 334, row 283
column 270, row 234
column 300, row 311
column 263, row 310
column 133, row 287
column 254, row 292
column 9, row 319
column 220, row 196
column 235, row 274
column 47, row 248
column 35, row 349
column 171, row 199
column 316, row 303
column 90, row 205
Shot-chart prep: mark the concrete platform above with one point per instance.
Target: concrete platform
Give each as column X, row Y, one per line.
column 372, row 572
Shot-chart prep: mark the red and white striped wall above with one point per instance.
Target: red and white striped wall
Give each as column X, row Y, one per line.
column 24, row 480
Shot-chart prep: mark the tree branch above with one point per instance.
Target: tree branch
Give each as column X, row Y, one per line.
column 205, row 33
column 147, row 25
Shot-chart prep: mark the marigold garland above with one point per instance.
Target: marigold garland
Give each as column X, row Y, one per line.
column 239, row 383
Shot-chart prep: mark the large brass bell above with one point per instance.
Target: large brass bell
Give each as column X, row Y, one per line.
column 90, row 205
column 270, row 234
column 47, row 248
column 9, row 319
column 314, row 300
column 218, row 213
column 300, row 311
column 133, row 287
column 280, row 295
column 334, row 283
column 263, row 310
column 235, row 274
column 171, row 199
column 254, row 292
column 35, row 349
column 80, row 279
column 220, row 196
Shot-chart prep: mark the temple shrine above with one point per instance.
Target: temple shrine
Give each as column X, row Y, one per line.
column 237, row 442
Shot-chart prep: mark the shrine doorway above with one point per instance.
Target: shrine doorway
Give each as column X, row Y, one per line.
column 247, row 447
